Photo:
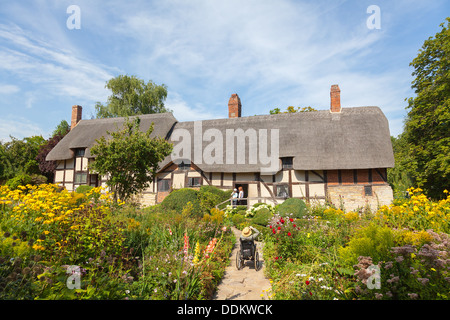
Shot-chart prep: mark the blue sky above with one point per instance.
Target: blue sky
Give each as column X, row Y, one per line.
column 272, row 53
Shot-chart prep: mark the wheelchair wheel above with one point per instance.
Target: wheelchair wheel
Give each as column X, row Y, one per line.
column 239, row 261
column 256, row 261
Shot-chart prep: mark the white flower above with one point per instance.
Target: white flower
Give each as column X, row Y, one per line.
column 155, row 291
column 300, row 275
column 127, row 291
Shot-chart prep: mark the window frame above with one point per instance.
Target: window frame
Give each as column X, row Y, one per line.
column 289, row 164
column 368, row 191
column 286, row 188
column 192, row 185
column 78, row 174
column 160, row 182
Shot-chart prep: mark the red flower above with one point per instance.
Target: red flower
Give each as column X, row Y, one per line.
column 291, row 220
column 273, row 231
column 294, row 225
column 307, row 282
column 310, row 293
column 279, row 228
column 270, row 227
column 281, row 220
column 276, row 258
column 289, row 234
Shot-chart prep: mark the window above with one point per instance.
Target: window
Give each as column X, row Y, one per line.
column 81, row 177
column 368, row 190
column 79, row 152
column 194, row 182
column 93, row 178
column 286, row 163
column 282, row 191
column 184, row 165
column 163, row 185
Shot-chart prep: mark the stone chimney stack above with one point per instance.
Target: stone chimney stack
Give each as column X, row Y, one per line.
column 335, row 95
column 234, row 106
column 76, row 115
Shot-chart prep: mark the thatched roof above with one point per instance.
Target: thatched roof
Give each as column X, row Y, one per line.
column 356, row 138
column 87, row 131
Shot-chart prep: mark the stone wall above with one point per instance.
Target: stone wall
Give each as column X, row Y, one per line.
column 353, row 197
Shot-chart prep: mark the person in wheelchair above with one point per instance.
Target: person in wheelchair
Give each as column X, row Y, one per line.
column 248, row 248
column 247, row 234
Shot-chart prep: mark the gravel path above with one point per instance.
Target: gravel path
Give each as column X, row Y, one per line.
column 244, row 284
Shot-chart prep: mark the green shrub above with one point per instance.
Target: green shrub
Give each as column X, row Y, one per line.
column 373, row 241
column 292, row 205
column 262, row 217
column 238, row 219
column 19, row 180
column 83, row 189
column 221, row 194
column 177, row 199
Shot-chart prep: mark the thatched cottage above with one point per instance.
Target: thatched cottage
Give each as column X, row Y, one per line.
column 340, row 155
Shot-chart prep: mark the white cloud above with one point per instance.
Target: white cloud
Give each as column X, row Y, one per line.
column 57, row 71
column 19, row 128
column 8, row 89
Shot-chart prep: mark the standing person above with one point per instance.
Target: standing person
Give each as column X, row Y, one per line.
column 234, row 195
column 241, row 196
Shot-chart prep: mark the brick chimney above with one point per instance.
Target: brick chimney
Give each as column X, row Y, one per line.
column 234, row 106
column 335, row 95
column 76, row 115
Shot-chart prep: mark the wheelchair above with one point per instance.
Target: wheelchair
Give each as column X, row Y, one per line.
column 247, row 251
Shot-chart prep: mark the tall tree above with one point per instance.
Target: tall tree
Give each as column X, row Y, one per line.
column 427, row 127
column 130, row 158
column 292, row 109
column 48, row 168
column 132, row 96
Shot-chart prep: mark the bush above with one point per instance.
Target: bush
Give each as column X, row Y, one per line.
column 221, row 194
column 19, row 180
column 177, row 199
column 202, row 200
column 262, row 217
column 238, row 219
column 373, row 241
column 84, row 189
column 292, row 205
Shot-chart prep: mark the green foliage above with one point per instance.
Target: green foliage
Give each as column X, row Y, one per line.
column 427, row 127
column 262, row 217
column 374, row 241
column 132, row 96
column 61, row 129
column 292, row 205
column 19, row 157
column 201, row 200
column 292, row 109
column 177, row 199
column 237, row 219
column 19, row 180
column 83, row 189
column 130, row 158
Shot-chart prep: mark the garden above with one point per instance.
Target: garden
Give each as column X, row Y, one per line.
column 178, row 250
